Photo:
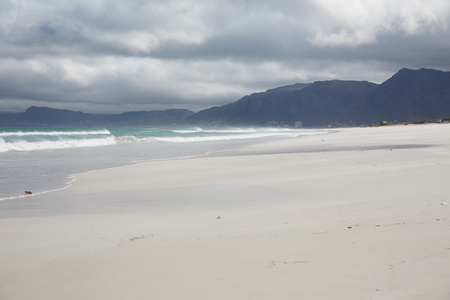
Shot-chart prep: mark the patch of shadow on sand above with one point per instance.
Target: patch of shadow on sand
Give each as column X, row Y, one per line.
column 329, row 148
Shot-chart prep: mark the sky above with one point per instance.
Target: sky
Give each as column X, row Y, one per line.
column 103, row 56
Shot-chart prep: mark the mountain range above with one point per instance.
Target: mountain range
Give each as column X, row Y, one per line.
column 45, row 116
column 408, row 96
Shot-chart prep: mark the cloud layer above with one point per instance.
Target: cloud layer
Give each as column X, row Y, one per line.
column 103, row 56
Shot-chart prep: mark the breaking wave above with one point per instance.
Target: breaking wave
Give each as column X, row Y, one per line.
column 57, row 144
column 52, row 133
column 31, row 140
column 198, row 134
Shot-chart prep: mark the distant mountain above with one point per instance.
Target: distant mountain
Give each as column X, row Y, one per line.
column 408, row 96
column 317, row 104
column 250, row 110
column 44, row 116
column 7, row 118
column 152, row 118
column 49, row 116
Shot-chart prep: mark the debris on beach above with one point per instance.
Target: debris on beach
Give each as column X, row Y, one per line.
column 274, row 264
column 136, row 238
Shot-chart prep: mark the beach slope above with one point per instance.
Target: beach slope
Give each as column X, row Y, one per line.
column 356, row 213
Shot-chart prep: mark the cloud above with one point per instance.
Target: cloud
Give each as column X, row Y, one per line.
column 362, row 22
column 101, row 56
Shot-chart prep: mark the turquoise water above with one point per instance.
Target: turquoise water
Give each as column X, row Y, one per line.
column 45, row 159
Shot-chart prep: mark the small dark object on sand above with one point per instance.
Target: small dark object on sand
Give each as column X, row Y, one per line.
column 28, row 192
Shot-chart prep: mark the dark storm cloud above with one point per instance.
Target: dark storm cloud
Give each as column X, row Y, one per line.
column 125, row 55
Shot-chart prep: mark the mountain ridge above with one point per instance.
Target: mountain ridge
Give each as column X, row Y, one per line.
column 44, row 116
column 408, row 96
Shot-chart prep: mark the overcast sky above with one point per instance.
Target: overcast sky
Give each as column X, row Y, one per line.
column 124, row 55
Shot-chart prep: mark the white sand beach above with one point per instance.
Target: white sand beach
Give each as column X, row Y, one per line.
column 355, row 213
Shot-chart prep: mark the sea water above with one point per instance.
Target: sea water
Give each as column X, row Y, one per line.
column 45, row 159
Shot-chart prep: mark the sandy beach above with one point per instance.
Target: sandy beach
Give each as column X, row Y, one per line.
column 354, row 213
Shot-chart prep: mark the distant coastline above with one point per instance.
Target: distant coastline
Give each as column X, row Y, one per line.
column 408, row 96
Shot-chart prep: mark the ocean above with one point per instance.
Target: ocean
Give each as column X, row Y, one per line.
column 41, row 160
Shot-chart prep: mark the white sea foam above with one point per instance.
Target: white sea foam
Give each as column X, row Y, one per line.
column 223, row 137
column 222, row 130
column 205, row 135
column 232, row 130
column 54, row 133
column 133, row 139
column 22, row 145
column 127, row 139
column 192, row 130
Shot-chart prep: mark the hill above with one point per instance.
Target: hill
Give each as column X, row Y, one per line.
column 44, row 116
column 318, row 104
column 408, row 96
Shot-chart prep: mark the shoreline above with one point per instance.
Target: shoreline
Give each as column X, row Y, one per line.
column 208, row 151
column 15, row 203
column 358, row 214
